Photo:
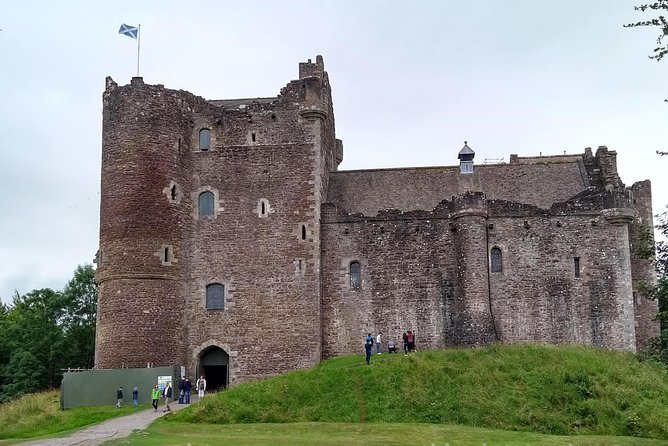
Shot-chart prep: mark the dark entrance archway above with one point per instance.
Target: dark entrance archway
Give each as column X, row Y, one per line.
column 214, row 365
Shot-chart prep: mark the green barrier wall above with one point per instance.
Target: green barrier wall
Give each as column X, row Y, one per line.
column 98, row 387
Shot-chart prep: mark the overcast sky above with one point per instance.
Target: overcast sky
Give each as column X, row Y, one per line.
column 411, row 81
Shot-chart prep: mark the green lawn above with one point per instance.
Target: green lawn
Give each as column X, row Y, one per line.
column 545, row 389
column 165, row 433
column 39, row 414
column 495, row 395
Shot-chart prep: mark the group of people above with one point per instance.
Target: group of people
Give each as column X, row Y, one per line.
column 119, row 397
column 185, row 388
column 408, row 338
column 167, row 393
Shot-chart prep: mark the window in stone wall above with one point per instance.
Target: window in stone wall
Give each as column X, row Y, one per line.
column 303, row 232
column 576, row 266
column 215, row 296
column 204, row 139
column 355, row 274
column 496, row 260
column 205, row 204
column 167, row 255
column 263, row 208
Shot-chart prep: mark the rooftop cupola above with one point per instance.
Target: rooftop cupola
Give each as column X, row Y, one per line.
column 466, row 156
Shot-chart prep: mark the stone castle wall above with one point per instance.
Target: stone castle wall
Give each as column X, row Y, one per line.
column 287, row 225
column 422, row 271
column 268, row 170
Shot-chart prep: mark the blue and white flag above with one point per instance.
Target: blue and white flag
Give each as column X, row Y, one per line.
column 130, row 31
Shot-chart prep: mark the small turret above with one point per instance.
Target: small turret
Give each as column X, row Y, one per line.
column 466, row 156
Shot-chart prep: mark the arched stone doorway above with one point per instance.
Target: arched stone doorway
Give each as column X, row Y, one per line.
column 214, row 364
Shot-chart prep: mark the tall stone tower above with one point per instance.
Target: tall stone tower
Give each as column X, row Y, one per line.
column 141, row 228
column 210, row 228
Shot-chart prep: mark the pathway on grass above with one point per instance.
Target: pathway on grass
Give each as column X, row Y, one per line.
column 109, row 430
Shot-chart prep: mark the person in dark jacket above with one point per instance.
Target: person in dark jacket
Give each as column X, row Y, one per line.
column 182, row 383
column 368, row 346
column 167, row 394
column 405, row 338
column 135, row 397
column 187, row 388
column 119, row 397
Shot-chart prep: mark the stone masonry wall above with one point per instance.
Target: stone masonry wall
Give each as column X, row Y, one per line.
column 270, row 298
column 642, row 269
column 537, row 296
column 407, row 282
column 269, row 153
column 540, row 184
column 413, row 276
column 138, row 221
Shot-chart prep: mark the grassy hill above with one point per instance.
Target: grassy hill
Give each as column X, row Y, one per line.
column 554, row 390
column 38, row 414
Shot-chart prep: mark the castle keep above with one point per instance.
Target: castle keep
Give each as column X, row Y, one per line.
column 231, row 243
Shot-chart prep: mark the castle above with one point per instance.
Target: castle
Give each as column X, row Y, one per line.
column 232, row 245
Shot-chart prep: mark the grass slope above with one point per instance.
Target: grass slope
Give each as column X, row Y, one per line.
column 552, row 390
column 163, row 433
column 39, row 414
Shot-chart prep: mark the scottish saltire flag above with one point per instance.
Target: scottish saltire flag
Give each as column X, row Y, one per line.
column 130, row 31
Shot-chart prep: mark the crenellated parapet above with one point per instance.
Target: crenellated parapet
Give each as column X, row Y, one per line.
column 314, row 82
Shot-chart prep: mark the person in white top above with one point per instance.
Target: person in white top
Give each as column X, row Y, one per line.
column 201, row 386
column 378, row 341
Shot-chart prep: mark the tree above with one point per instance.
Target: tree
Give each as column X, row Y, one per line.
column 662, row 49
column 46, row 331
column 33, row 334
column 659, row 291
column 78, row 323
column 658, row 347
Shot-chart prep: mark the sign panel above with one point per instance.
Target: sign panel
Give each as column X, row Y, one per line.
column 163, row 380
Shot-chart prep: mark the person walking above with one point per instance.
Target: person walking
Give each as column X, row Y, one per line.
column 405, row 338
column 187, row 388
column 378, row 342
column 155, row 396
column 167, row 394
column 201, row 386
column 135, row 397
column 119, row 397
column 368, row 346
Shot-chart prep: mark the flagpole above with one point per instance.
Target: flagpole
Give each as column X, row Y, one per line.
column 138, row 43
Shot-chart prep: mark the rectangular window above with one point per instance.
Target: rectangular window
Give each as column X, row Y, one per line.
column 497, row 260
column 355, row 274
column 466, row 167
column 215, row 296
column 576, row 264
